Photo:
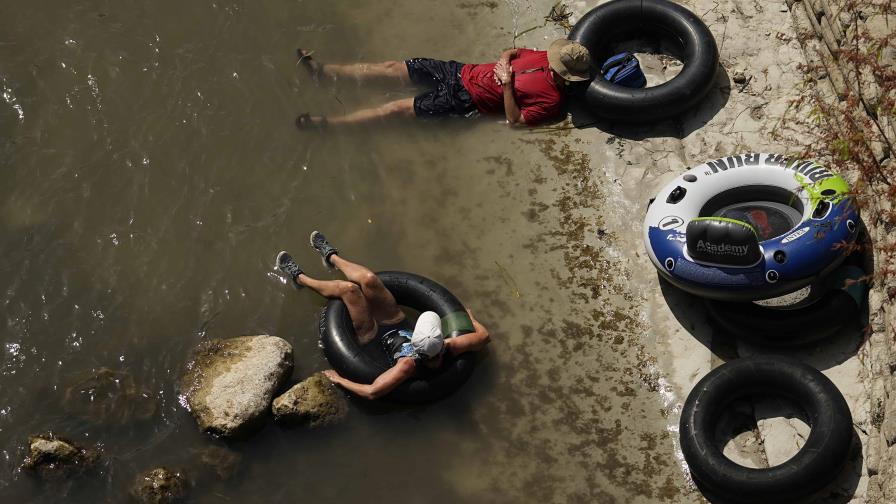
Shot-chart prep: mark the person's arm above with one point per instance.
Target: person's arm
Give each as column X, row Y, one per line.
column 504, row 75
column 511, row 109
column 384, row 383
column 470, row 342
column 540, row 112
column 509, row 54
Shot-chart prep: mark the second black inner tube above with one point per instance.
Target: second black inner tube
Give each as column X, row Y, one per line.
column 821, row 458
column 827, row 317
column 689, row 38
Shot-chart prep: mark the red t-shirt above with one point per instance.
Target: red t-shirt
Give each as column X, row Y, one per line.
column 533, row 87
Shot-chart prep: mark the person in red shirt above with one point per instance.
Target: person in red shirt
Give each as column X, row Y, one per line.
column 525, row 85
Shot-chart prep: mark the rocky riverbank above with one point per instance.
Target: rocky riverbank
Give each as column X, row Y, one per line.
column 774, row 55
column 851, row 43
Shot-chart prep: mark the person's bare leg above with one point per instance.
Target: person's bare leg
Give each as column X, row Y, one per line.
column 392, row 110
column 396, row 109
column 389, row 71
column 350, row 294
column 382, row 303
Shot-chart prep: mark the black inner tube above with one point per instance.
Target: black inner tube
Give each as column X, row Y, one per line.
column 677, row 28
column 829, row 316
column 364, row 364
column 641, row 33
column 818, row 462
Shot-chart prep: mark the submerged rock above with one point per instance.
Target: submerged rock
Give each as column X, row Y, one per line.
column 107, row 397
column 50, row 456
column 229, row 384
column 160, row 486
column 314, row 401
column 218, row 461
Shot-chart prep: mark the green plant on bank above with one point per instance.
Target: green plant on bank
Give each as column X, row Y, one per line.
column 855, row 132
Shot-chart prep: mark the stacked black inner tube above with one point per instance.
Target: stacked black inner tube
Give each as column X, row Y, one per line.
column 818, row 462
column 688, row 38
column 835, row 313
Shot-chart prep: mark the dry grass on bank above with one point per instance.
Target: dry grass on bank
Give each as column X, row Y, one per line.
column 849, row 106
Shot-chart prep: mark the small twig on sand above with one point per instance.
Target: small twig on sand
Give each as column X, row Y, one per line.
column 724, row 34
column 520, row 34
column 545, row 129
column 559, row 15
column 505, row 275
column 749, row 107
column 336, row 97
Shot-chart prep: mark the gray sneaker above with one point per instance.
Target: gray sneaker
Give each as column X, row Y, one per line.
column 322, row 246
column 288, row 265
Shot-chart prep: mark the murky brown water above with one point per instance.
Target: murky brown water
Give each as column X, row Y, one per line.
column 151, row 173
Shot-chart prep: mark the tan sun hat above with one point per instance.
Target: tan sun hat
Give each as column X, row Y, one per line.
column 571, row 60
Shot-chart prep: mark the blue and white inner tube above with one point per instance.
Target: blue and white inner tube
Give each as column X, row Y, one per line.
column 751, row 227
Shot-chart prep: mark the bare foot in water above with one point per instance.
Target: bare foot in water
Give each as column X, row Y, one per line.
column 314, row 68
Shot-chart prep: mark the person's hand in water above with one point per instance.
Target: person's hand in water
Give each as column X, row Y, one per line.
column 503, row 72
column 476, row 324
column 332, row 375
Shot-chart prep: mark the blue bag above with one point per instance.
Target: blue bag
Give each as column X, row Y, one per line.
column 624, row 69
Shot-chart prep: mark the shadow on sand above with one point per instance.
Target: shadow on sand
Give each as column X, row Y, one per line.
column 691, row 313
column 841, row 489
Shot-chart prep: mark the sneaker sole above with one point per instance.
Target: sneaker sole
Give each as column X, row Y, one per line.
column 277, row 260
column 295, row 283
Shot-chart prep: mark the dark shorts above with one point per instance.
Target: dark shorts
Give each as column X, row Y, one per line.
column 388, row 337
column 382, row 329
column 447, row 95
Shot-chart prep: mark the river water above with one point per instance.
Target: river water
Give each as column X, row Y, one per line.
column 151, row 172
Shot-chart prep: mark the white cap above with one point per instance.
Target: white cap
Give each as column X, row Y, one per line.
column 427, row 339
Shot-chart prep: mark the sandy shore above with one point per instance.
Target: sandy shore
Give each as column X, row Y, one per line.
column 761, row 55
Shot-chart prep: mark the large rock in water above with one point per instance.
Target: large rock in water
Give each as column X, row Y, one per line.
column 229, row 383
column 314, row 401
